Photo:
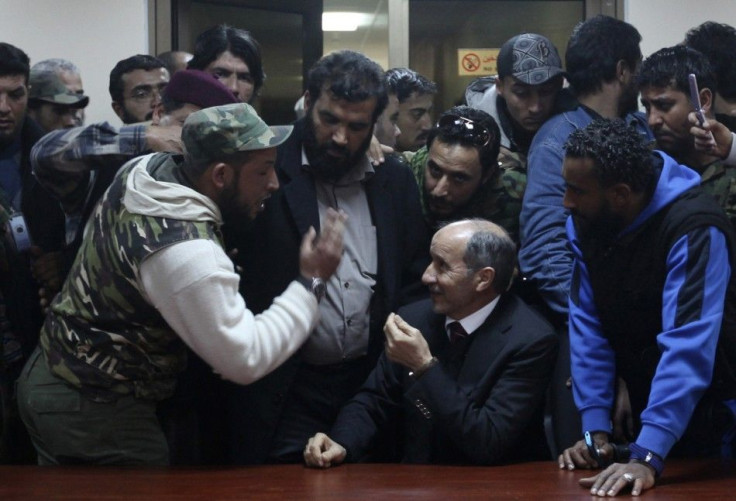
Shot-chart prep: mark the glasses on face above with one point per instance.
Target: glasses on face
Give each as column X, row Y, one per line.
column 146, row 93
column 473, row 132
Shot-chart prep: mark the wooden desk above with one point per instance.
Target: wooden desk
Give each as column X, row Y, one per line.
column 691, row 480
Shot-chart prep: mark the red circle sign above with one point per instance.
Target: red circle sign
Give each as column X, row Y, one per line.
column 471, row 62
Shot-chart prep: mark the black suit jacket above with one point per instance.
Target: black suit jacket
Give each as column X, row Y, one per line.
column 488, row 414
column 269, row 255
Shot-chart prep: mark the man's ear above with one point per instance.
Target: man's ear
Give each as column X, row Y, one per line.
column 219, row 175
column 484, row 278
column 621, row 194
column 624, row 71
column 706, row 100
column 118, row 109
column 499, row 85
column 307, row 100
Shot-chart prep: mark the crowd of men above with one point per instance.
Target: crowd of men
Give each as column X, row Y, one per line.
column 542, row 263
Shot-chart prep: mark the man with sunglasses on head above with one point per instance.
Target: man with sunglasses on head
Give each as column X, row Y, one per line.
column 459, row 172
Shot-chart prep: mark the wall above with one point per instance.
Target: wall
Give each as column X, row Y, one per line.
column 93, row 34
column 663, row 23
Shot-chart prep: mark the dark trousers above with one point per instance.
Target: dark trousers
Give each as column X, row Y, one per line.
column 562, row 419
column 312, row 404
column 67, row 428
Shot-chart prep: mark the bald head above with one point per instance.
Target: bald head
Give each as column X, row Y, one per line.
column 473, row 261
column 488, row 245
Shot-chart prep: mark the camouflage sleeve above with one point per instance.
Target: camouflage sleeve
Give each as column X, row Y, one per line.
column 511, row 184
column 417, row 162
column 62, row 160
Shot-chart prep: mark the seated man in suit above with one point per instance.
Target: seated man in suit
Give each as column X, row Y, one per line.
column 469, row 369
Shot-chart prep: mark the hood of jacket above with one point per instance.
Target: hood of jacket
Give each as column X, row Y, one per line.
column 674, row 180
column 152, row 189
column 482, row 94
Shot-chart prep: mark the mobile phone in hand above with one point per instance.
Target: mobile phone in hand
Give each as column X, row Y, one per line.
column 695, row 98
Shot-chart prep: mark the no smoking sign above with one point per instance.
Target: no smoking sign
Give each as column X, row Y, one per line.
column 476, row 62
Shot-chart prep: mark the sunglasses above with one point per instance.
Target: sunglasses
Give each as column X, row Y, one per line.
column 474, row 132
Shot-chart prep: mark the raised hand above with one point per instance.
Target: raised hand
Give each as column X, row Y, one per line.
column 320, row 255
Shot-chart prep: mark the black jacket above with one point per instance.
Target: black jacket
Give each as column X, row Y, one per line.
column 269, row 254
column 486, row 412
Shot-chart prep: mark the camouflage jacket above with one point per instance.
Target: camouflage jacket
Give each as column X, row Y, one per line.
column 719, row 180
column 102, row 335
column 499, row 201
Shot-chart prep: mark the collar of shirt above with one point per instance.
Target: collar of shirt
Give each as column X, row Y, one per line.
column 475, row 319
column 358, row 173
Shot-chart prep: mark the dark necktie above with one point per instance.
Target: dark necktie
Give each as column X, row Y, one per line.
column 457, row 332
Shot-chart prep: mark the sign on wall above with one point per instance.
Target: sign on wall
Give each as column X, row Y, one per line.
column 476, row 62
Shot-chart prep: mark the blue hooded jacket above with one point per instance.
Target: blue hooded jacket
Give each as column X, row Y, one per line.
column 685, row 368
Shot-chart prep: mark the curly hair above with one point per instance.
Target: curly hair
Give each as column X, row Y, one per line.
column 618, row 151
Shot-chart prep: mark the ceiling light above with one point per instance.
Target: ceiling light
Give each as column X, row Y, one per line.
column 342, row 21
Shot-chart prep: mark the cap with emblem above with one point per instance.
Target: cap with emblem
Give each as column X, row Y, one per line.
column 47, row 86
column 530, row 58
column 213, row 133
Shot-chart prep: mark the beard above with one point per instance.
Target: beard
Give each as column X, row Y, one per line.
column 329, row 162
column 128, row 117
column 677, row 147
column 233, row 212
column 605, row 226
column 629, row 102
column 7, row 138
column 478, row 204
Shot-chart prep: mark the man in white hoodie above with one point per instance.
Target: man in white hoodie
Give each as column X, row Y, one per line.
column 151, row 273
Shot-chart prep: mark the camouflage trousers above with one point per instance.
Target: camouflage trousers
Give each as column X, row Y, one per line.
column 67, row 428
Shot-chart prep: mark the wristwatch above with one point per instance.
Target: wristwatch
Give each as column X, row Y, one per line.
column 647, row 457
column 315, row 285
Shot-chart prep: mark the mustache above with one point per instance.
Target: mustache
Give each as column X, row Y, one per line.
column 334, row 147
column 437, row 200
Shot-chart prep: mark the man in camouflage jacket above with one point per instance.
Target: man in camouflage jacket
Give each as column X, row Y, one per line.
column 463, row 172
column 152, row 273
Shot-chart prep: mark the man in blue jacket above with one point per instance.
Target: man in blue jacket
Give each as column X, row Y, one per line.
column 602, row 60
column 651, row 301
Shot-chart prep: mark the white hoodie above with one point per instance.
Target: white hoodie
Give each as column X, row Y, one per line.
column 482, row 94
column 194, row 286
